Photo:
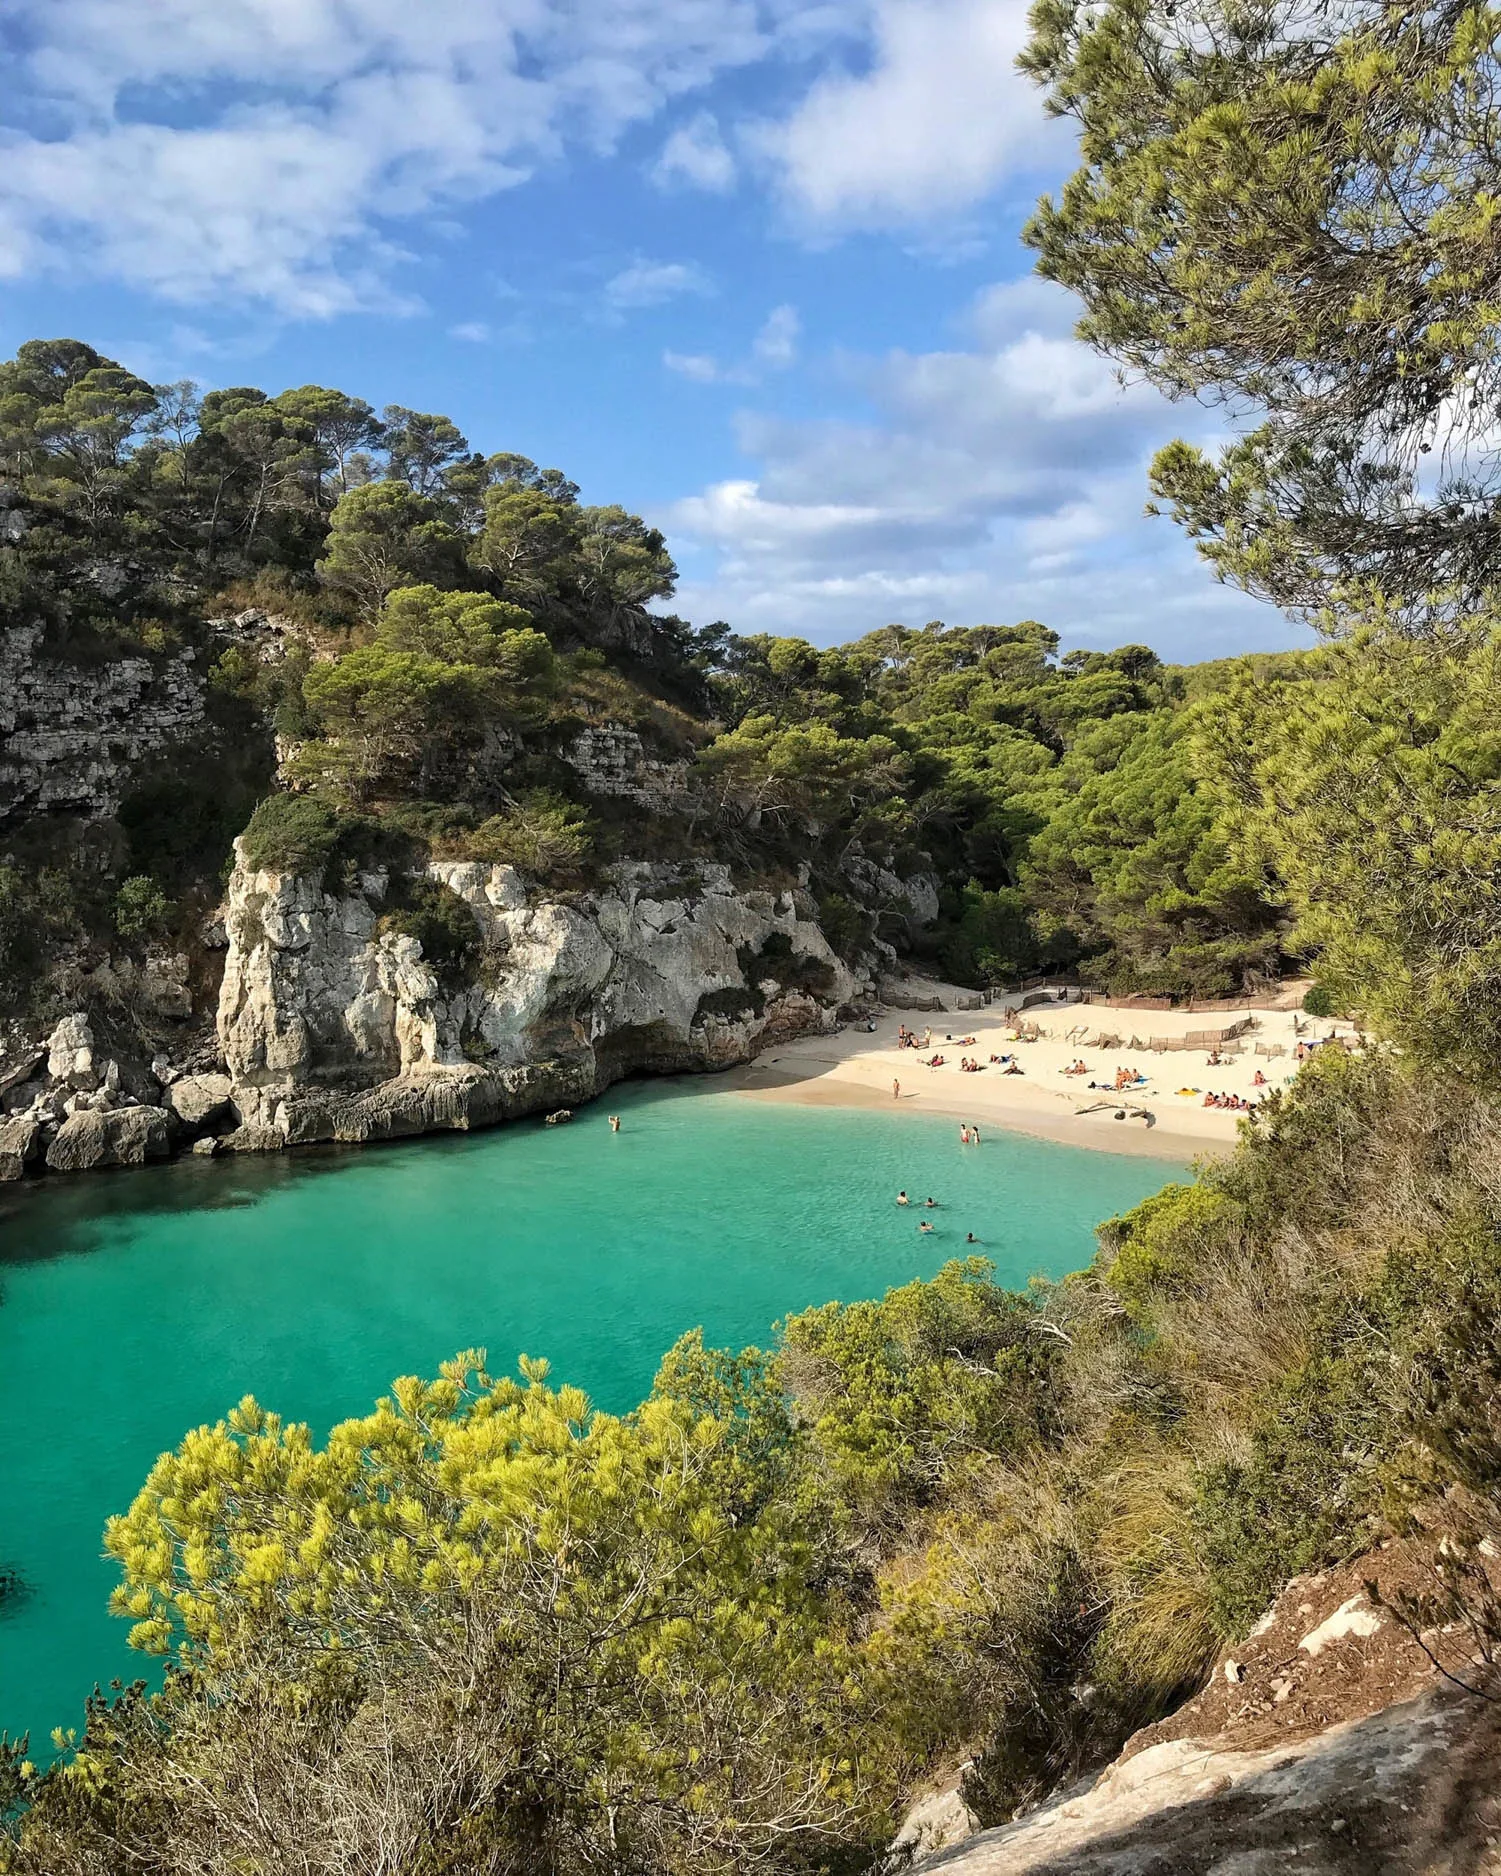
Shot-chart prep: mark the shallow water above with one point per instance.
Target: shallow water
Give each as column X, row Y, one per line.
column 136, row 1305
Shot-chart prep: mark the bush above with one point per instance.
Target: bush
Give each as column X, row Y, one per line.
column 1318, row 1000
column 439, row 920
column 291, row 834
column 845, row 925
column 140, row 908
column 542, row 834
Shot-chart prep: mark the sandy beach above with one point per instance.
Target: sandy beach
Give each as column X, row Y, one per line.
column 857, row 1069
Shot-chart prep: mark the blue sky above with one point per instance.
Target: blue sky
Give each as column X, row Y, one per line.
column 750, row 267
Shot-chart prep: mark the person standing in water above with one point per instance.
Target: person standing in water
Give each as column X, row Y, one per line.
column 896, row 1090
column 901, row 1197
column 974, row 1134
column 963, row 1135
column 614, row 1123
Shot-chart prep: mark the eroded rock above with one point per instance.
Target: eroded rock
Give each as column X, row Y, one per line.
column 127, row 1136
column 199, row 1100
column 335, row 1027
column 20, row 1144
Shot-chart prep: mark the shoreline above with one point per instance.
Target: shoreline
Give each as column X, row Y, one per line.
column 854, row 1068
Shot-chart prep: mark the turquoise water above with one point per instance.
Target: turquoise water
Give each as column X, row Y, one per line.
column 136, row 1305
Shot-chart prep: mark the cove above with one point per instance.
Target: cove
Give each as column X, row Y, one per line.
column 134, row 1306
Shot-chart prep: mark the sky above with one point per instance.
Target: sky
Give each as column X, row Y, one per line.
column 751, row 268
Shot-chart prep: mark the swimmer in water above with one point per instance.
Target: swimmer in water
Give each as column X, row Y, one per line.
column 970, row 1238
column 931, row 1204
column 925, row 1226
column 901, row 1197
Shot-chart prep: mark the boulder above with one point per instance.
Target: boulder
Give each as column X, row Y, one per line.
column 199, row 1100
column 20, row 1142
column 127, row 1136
column 70, row 1052
column 207, row 1147
column 252, row 1140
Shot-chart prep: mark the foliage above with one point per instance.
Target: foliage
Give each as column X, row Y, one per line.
column 1372, row 792
column 1289, row 207
column 1318, row 1001
column 578, row 1658
column 292, row 834
column 140, row 907
column 440, row 921
column 539, row 834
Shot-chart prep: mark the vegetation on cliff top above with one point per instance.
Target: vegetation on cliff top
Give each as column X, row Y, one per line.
column 451, row 621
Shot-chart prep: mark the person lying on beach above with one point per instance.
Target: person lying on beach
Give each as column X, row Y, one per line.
column 1013, row 1068
column 967, row 1042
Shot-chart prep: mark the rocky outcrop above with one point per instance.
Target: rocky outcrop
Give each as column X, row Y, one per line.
column 127, row 1136
column 20, row 1144
column 1330, row 1741
column 199, row 1100
column 71, row 732
column 612, row 761
column 334, row 1026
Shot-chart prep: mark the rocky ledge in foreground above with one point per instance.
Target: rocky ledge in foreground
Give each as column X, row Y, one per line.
column 1330, row 1742
column 334, row 1024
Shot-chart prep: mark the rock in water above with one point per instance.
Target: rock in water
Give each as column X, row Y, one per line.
column 127, row 1136
column 20, row 1142
column 199, row 1100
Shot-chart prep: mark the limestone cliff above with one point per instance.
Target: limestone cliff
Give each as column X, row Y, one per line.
column 334, row 1026
column 72, row 732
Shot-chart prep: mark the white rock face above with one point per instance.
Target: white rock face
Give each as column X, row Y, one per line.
column 70, row 1052
column 332, row 1028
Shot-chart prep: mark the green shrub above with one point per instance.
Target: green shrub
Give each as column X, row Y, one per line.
column 140, row 907
column 291, row 834
column 542, row 834
column 1158, row 1245
column 1318, row 1000
column 439, row 920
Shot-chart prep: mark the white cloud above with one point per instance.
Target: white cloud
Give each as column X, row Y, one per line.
column 996, row 483
column 774, row 348
column 472, row 331
column 265, row 149
column 695, row 156
column 652, row 283
column 701, row 367
column 775, row 345
column 939, row 119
